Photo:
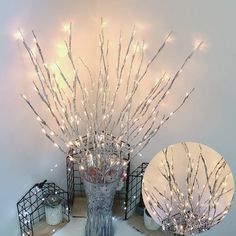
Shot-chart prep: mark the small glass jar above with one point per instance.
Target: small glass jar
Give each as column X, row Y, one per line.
column 53, row 209
column 149, row 223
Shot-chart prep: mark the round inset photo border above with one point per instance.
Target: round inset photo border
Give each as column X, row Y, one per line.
column 188, row 188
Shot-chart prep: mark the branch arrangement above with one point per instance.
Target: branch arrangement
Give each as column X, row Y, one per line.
column 102, row 116
column 198, row 202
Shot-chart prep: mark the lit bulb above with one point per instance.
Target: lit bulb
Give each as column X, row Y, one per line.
column 145, row 46
column 81, row 167
column 24, row 97
column 66, row 27
column 125, row 163
column 199, row 44
column 18, row 35
column 54, row 67
column 104, row 24
column 56, row 145
column 61, row 49
column 170, row 39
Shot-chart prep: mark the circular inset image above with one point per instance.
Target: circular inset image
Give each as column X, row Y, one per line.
column 188, row 188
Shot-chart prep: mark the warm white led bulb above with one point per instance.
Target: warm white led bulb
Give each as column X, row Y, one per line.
column 18, row 35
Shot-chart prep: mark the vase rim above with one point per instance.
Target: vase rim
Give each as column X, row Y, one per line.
column 100, row 183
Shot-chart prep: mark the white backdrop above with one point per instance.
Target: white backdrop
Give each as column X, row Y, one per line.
column 27, row 157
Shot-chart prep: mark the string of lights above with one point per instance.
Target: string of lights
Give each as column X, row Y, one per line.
column 195, row 203
column 89, row 117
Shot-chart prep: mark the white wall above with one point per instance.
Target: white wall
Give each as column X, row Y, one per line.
column 209, row 117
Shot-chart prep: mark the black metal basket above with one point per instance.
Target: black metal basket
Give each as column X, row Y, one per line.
column 134, row 191
column 31, row 206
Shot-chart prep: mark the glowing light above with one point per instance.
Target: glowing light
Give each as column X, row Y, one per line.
column 56, row 145
column 82, row 168
column 136, row 48
column 165, row 76
column 54, row 68
column 66, row 27
column 145, row 46
column 199, row 44
column 170, row 39
column 61, row 49
column 18, row 35
column 23, row 95
column 104, row 24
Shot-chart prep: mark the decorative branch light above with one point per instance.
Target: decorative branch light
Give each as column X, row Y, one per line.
column 88, row 116
column 188, row 188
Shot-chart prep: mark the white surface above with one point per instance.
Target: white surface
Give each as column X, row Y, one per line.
column 76, row 227
column 209, row 117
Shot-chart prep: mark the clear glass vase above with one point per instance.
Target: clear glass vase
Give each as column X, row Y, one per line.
column 100, row 198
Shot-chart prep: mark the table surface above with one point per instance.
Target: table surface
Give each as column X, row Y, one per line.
column 133, row 227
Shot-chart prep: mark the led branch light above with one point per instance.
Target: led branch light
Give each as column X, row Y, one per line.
column 87, row 116
column 188, row 188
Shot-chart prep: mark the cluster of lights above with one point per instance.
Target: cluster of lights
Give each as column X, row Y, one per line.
column 93, row 106
column 195, row 204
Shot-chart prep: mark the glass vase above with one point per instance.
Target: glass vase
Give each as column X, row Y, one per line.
column 100, row 198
